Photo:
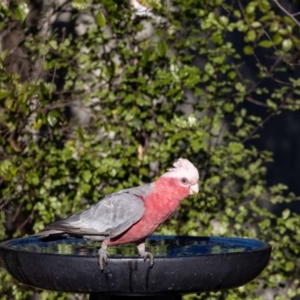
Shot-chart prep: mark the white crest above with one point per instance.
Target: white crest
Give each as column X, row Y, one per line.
column 183, row 168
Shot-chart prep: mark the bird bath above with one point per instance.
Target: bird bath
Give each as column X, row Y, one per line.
column 182, row 265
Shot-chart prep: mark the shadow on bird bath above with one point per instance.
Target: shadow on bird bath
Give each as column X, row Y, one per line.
column 182, row 265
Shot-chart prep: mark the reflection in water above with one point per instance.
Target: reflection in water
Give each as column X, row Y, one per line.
column 159, row 246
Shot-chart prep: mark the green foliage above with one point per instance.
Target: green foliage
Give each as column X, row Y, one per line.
column 52, row 166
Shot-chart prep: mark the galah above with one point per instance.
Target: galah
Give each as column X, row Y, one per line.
column 131, row 215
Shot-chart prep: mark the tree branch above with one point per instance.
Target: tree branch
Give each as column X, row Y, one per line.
column 292, row 16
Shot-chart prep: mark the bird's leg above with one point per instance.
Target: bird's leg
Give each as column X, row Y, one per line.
column 103, row 255
column 144, row 253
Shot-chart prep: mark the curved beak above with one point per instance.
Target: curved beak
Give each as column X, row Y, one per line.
column 194, row 189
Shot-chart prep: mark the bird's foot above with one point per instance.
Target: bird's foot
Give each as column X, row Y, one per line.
column 103, row 254
column 151, row 258
column 142, row 251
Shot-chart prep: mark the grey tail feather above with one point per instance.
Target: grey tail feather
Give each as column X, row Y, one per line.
column 63, row 228
column 56, row 228
column 46, row 232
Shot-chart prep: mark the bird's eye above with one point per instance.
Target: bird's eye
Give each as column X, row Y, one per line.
column 184, row 180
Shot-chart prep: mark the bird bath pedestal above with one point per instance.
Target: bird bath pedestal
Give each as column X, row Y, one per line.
column 182, row 265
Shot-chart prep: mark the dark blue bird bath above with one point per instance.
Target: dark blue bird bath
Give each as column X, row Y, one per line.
column 182, row 265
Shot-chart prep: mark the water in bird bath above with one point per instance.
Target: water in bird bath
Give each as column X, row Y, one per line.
column 159, row 246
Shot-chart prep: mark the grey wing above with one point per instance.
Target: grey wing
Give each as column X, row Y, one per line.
column 109, row 217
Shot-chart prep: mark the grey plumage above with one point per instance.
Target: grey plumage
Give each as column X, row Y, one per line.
column 109, row 217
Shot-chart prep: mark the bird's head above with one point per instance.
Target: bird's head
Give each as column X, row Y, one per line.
column 185, row 174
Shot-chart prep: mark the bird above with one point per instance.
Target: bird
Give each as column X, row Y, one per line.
column 131, row 215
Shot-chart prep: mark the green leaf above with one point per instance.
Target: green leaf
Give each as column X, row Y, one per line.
column 255, row 24
column 272, row 104
column 286, row 213
column 251, row 36
column 229, row 107
column 248, row 50
column 240, row 87
column 87, row 176
column 53, row 117
column 209, row 68
column 287, row 44
column 289, row 265
column 21, row 11
column 250, row 8
column 161, row 48
column 53, row 44
column 3, row 94
column 265, row 44
column 224, row 20
column 100, row 19
column 80, row 4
